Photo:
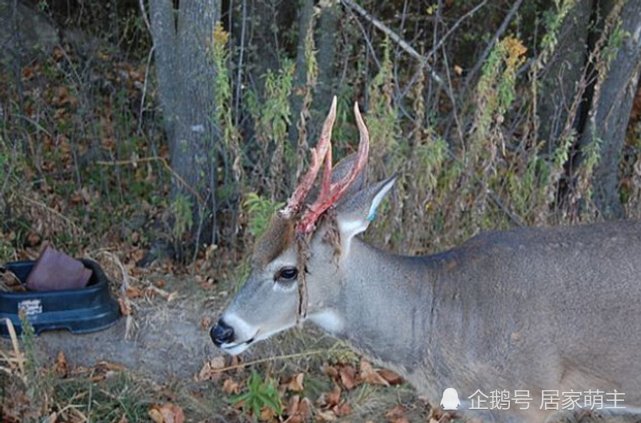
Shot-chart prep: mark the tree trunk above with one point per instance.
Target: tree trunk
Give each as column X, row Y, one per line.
column 326, row 58
column 584, row 91
column 612, row 103
column 182, row 39
column 298, row 129
column 561, row 83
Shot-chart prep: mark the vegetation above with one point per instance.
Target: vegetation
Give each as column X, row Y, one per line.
column 470, row 101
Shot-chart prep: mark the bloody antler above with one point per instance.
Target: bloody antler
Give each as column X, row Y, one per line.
column 318, row 155
column 330, row 192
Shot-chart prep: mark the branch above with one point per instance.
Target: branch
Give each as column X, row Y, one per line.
column 397, row 39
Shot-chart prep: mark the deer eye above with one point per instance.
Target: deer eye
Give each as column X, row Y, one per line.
column 287, row 274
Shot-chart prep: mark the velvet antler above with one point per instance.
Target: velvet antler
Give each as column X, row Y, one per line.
column 319, row 153
column 330, row 192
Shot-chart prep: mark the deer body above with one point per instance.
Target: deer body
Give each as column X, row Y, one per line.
column 527, row 309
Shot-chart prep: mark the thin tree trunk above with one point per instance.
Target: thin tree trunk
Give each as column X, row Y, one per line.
column 297, row 99
column 326, row 84
column 163, row 28
column 611, row 108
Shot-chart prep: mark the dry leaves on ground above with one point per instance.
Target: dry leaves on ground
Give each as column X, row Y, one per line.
column 166, row 413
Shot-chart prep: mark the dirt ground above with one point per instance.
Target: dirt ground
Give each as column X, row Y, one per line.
column 166, row 340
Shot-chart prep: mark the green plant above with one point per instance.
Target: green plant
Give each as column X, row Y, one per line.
column 260, row 211
column 271, row 113
column 223, row 86
column 181, row 211
column 261, row 393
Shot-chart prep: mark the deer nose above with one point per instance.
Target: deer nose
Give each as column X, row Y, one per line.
column 222, row 333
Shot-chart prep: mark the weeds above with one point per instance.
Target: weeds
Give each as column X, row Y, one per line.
column 259, row 211
column 261, row 395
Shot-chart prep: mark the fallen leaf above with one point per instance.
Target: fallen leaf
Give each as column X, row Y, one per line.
column 342, row 410
column 391, row 377
column 105, row 369
column 297, row 410
column 166, row 413
column 396, row 415
column 331, row 399
column 230, row 386
column 217, row 362
column 348, row 377
column 266, row 414
column 125, row 307
column 133, row 292
column 369, row 375
column 326, row 416
column 330, row 371
column 211, row 369
column 206, row 323
column 60, row 367
column 296, row 383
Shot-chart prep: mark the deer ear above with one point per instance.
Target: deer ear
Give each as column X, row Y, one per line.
column 355, row 212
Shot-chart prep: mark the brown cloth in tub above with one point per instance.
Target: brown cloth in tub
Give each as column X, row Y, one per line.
column 55, row 270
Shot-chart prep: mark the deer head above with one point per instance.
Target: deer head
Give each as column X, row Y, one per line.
column 298, row 264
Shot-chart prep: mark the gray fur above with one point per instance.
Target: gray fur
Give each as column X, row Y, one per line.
column 528, row 309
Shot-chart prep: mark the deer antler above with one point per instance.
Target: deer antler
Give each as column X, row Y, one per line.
column 330, row 192
column 318, row 155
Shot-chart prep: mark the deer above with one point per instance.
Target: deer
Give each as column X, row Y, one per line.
column 536, row 311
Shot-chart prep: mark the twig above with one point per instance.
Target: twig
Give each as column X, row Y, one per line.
column 513, row 217
column 16, row 347
column 241, row 54
column 38, row 126
column 274, row 358
column 440, row 43
column 124, row 285
column 455, row 27
column 144, row 86
column 154, row 159
column 143, row 12
column 370, row 47
column 396, row 38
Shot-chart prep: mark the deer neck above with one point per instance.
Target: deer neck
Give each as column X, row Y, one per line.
column 384, row 306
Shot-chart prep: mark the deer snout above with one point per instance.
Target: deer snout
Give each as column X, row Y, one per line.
column 222, row 333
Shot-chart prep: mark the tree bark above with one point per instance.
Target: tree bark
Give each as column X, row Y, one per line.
column 561, row 83
column 182, row 39
column 326, row 57
column 307, row 123
column 610, row 113
column 297, row 99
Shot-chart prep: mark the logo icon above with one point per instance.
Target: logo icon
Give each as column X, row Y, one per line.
column 450, row 399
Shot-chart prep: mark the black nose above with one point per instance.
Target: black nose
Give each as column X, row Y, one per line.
column 222, row 333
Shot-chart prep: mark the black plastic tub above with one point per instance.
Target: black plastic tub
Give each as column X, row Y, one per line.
column 83, row 310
